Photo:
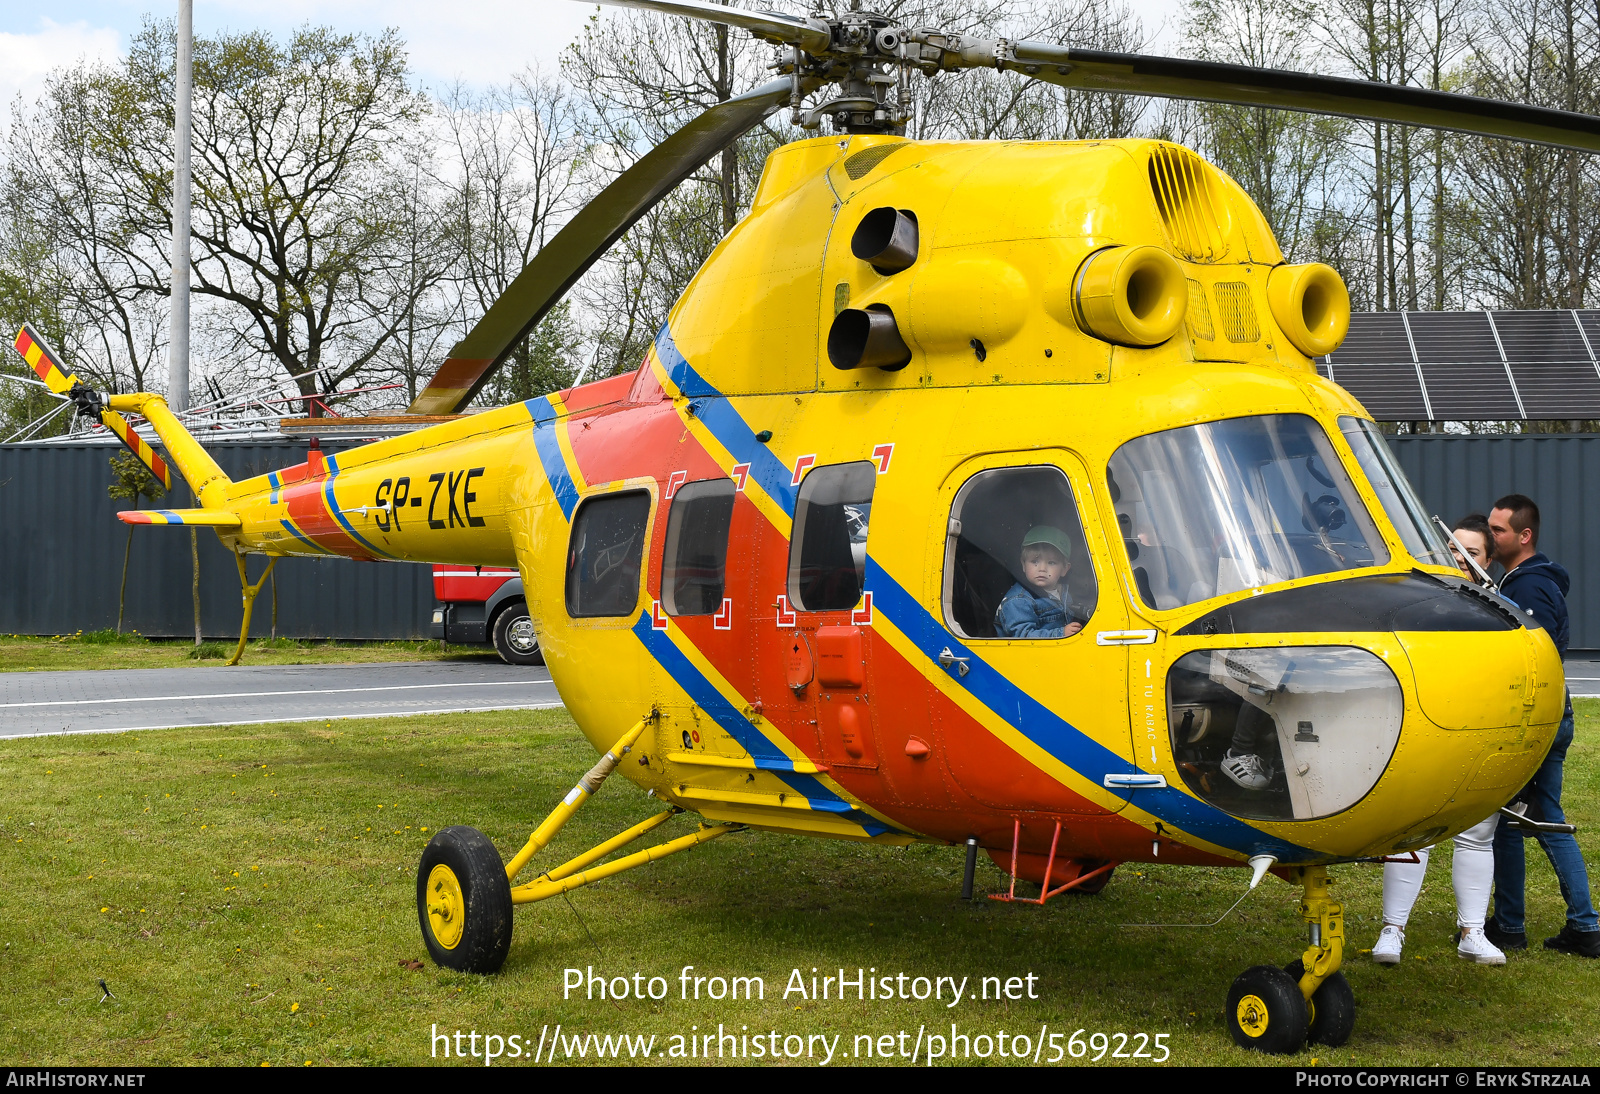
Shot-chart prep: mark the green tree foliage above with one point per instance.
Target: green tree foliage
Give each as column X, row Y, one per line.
column 302, row 237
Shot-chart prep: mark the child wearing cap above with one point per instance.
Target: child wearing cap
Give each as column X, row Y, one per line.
column 1037, row 606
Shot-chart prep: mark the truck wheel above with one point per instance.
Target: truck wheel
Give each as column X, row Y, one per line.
column 514, row 639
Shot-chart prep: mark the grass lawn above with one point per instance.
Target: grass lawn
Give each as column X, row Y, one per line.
column 248, row 895
column 109, row 650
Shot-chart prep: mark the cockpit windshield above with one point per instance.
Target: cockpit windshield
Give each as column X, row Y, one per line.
column 1389, row 482
column 1211, row 509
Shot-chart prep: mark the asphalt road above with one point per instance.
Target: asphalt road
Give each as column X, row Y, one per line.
column 1583, row 675
column 119, row 700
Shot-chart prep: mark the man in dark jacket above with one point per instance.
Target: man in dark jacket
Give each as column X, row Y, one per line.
column 1539, row 587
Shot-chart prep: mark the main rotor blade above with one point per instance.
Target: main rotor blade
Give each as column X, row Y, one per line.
column 587, row 236
column 774, row 26
column 1210, row 81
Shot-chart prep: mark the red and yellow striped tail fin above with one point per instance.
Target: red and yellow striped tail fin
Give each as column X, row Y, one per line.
column 47, row 364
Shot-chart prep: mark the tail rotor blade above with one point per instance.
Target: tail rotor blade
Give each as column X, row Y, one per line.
column 47, row 363
column 43, row 360
column 138, row 446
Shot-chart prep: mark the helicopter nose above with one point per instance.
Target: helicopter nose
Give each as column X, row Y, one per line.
column 1487, row 707
column 1381, row 744
column 1472, row 681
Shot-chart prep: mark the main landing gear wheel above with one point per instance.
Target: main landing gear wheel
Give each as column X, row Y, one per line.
column 514, row 639
column 464, row 901
column 1333, row 1008
column 1266, row 1011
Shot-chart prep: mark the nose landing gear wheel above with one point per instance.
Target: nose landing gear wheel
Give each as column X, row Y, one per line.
column 1333, row 1008
column 1266, row 1012
column 464, row 901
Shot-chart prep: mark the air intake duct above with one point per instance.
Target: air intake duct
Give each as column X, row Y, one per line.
column 887, row 238
column 1311, row 305
column 1134, row 296
column 867, row 338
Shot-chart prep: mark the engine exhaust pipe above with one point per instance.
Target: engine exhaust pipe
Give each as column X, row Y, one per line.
column 887, row 238
column 867, row 338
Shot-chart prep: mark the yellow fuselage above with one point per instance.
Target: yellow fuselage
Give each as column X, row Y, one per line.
column 905, row 727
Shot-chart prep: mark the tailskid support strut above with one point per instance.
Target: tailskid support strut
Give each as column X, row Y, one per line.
column 248, row 592
column 1045, row 892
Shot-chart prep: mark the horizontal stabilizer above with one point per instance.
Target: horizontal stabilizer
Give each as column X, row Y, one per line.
column 209, row 518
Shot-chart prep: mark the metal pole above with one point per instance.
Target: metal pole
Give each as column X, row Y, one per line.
column 178, row 347
column 972, row 866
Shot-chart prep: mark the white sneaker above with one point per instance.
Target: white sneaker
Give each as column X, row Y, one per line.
column 1246, row 770
column 1476, row 948
column 1386, row 951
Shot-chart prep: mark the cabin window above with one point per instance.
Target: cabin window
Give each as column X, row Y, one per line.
column 603, row 558
column 828, row 550
column 694, row 565
column 1016, row 564
column 1213, row 509
column 1288, row 733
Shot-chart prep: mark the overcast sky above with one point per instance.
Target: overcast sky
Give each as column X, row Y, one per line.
column 479, row 42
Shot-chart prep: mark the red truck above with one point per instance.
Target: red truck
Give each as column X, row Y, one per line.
column 485, row 604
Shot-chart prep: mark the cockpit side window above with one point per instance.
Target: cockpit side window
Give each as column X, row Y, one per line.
column 694, row 563
column 605, row 552
column 1016, row 565
column 828, row 549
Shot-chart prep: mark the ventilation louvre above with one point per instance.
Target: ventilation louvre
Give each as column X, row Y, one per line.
column 1196, row 218
column 1200, row 313
column 1237, row 312
column 865, row 160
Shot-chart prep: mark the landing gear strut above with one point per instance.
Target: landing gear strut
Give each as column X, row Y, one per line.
column 1277, row 1010
column 465, row 895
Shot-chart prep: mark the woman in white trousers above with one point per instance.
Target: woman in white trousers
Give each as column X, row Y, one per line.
column 1473, row 863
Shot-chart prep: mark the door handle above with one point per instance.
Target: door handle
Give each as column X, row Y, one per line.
column 1124, row 638
column 947, row 658
column 1141, row 781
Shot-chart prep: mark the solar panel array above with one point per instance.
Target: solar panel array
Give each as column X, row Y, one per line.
column 1471, row 365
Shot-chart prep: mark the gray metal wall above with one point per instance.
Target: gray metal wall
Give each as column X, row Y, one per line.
column 61, row 549
column 61, row 544
column 1457, row 475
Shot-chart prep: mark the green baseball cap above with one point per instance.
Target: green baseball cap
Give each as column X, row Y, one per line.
column 1055, row 537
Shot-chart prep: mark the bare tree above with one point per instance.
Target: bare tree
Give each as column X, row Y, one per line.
column 70, row 214
column 519, row 165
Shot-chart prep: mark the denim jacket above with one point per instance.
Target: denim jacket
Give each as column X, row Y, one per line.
column 1026, row 614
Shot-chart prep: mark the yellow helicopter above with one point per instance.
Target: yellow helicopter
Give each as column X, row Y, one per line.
column 973, row 493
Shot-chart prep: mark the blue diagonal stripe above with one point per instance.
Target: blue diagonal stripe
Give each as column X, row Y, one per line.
column 761, row 749
column 724, row 422
column 333, row 507
column 1074, row 748
column 549, row 448
column 295, row 532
